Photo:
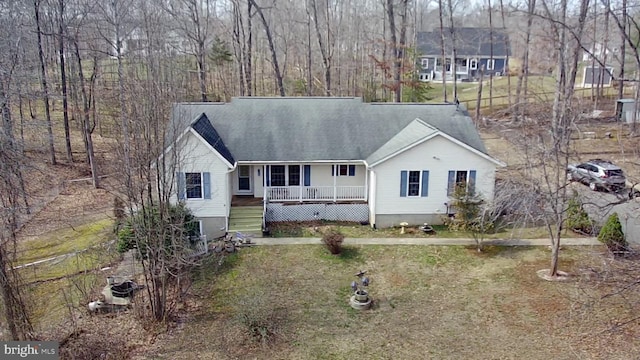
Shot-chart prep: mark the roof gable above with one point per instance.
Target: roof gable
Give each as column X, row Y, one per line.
column 203, row 127
column 413, row 133
column 315, row 129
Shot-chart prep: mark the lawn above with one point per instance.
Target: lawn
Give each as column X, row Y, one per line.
column 355, row 230
column 429, row 303
column 70, row 279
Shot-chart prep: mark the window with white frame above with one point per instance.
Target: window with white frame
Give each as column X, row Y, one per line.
column 473, row 64
column 294, row 175
column 284, row 175
column 424, row 62
column 461, row 179
column 414, row 183
column 278, row 175
column 491, row 64
column 343, row 170
column 193, row 184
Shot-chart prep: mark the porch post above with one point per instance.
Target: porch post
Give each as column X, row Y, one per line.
column 335, row 177
column 366, row 183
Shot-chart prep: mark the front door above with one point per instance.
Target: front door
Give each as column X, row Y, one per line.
column 244, row 178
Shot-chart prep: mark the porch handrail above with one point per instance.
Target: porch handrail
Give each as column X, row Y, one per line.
column 314, row 193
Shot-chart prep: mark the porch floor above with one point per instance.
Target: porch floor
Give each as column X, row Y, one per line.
column 246, row 200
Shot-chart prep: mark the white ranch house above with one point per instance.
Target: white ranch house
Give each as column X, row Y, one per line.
column 300, row 159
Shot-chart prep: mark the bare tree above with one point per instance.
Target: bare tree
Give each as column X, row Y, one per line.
column 43, row 81
column 398, row 44
column 272, row 48
column 63, row 78
column 325, row 44
column 443, row 51
column 193, row 20
column 13, row 205
column 521, row 87
column 87, row 125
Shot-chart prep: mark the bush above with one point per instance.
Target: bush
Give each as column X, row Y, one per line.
column 149, row 227
column 577, row 218
column 333, row 239
column 611, row 235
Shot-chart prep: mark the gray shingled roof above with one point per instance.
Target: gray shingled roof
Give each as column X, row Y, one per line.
column 470, row 41
column 311, row 129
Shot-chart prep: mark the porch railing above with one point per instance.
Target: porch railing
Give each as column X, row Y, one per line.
column 315, row 193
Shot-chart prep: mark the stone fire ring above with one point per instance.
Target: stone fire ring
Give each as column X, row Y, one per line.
column 358, row 305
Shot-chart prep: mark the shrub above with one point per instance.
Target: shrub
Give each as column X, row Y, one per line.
column 577, row 218
column 611, row 235
column 333, row 239
column 148, row 227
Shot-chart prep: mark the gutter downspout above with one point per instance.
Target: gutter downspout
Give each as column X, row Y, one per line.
column 264, row 198
column 230, row 194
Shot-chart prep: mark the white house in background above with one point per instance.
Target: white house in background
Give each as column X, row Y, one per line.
column 312, row 158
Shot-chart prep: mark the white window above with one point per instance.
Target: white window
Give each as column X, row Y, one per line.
column 284, row 175
column 473, row 64
column 461, row 179
column 424, row 62
column 343, row 170
column 414, row 183
column 490, row 64
column 193, row 182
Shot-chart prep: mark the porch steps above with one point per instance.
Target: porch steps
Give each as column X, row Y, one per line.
column 246, row 219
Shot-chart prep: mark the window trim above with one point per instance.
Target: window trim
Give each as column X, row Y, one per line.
column 424, row 62
column 423, row 183
column 471, row 175
column 473, row 64
column 186, row 186
column 288, row 171
column 491, row 64
column 409, row 183
column 336, row 170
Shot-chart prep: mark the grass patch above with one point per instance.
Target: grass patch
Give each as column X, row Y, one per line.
column 64, row 241
column 315, row 229
column 427, row 300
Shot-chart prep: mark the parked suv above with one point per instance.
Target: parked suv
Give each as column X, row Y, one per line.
column 598, row 174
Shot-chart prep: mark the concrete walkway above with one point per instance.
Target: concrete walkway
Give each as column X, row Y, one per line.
column 591, row 241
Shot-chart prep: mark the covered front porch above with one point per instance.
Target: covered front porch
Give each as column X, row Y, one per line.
column 302, row 183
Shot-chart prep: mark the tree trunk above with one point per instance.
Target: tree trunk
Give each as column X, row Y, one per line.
column 444, row 54
column 479, row 98
column 453, row 51
column 521, row 87
column 272, row 48
column 325, row 49
column 87, row 129
column 507, row 47
column 623, row 47
column 45, row 87
column 63, row 81
column 490, row 56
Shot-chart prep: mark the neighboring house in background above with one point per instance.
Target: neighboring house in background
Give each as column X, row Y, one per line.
column 599, row 51
column 473, row 52
column 301, row 159
column 596, row 75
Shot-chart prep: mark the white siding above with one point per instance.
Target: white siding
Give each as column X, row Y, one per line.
column 195, row 156
column 321, row 176
column 438, row 156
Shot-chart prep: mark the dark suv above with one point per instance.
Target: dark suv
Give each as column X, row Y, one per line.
column 598, row 174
